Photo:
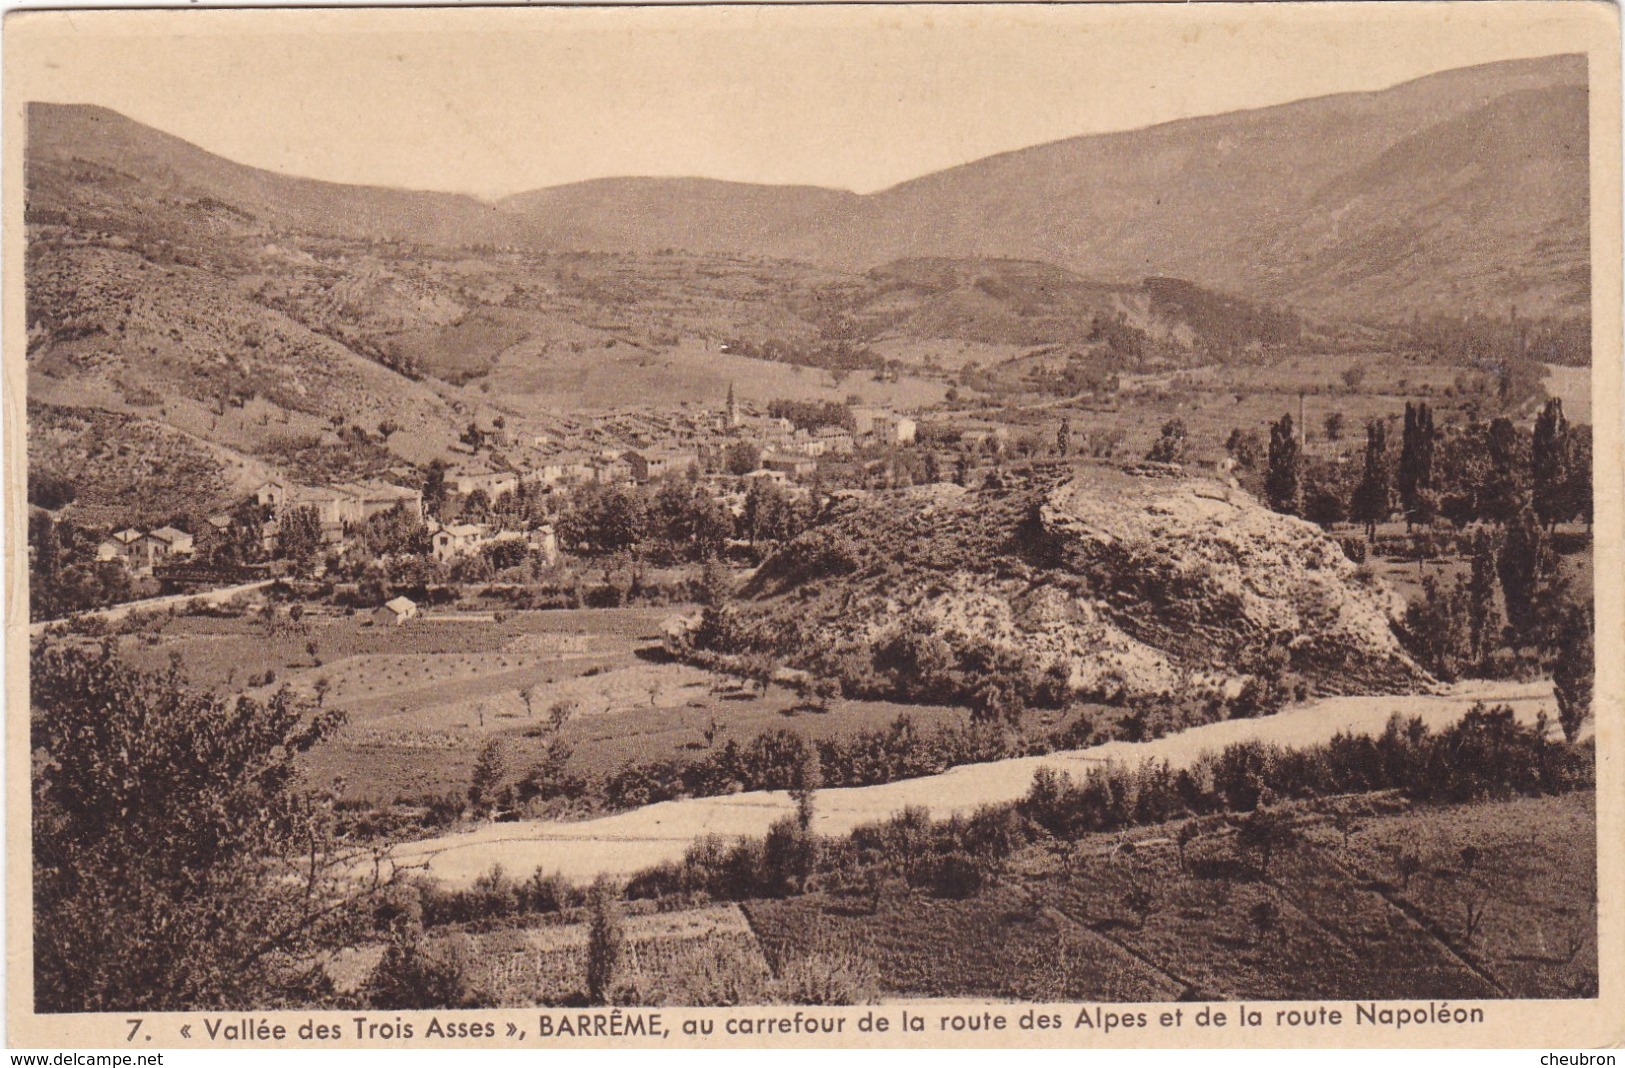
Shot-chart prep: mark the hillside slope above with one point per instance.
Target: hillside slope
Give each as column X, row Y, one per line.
column 1459, row 192
column 1366, row 204
column 1112, row 584
column 84, row 145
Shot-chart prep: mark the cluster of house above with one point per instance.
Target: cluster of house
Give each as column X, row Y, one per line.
column 142, row 552
column 696, row 442
column 337, row 506
column 450, row 541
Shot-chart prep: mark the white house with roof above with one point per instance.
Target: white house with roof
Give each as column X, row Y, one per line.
column 456, row 540
column 158, row 546
column 395, row 612
column 494, row 484
column 119, row 546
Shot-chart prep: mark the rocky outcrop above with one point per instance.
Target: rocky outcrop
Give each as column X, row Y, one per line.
column 1114, row 584
column 1204, row 573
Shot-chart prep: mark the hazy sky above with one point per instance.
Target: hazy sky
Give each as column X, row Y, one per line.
column 497, row 101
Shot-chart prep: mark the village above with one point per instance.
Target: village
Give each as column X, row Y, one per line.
column 500, row 499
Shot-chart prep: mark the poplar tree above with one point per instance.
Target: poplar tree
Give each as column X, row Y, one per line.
column 1371, row 498
column 1524, row 564
column 1415, row 481
column 1549, row 465
column 1283, row 483
column 1483, row 612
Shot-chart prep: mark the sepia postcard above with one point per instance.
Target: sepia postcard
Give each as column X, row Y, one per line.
column 841, row 525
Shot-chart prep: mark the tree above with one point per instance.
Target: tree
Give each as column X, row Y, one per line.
column 1438, row 628
column 1483, row 609
column 809, row 777
column 1574, row 671
column 606, row 938
column 387, row 429
column 434, row 488
column 1265, row 832
column 1283, row 481
column 1265, row 917
column 742, row 458
column 1549, row 465
column 490, row 768
column 300, row 542
column 177, row 865
column 1578, row 493
column 1334, row 426
column 1527, row 566
column 1063, row 438
column 411, row 974
column 1505, row 490
column 1244, row 447
column 1169, row 448
column 1372, row 498
column 1415, row 478
column 1189, row 831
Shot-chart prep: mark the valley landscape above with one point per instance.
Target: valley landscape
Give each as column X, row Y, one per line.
column 1150, row 566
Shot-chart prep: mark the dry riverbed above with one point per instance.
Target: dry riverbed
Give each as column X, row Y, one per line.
column 627, row 842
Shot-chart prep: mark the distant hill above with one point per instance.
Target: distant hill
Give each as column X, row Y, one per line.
column 696, row 214
column 80, row 145
column 1462, row 191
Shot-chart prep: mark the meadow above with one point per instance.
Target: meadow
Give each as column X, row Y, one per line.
column 421, row 699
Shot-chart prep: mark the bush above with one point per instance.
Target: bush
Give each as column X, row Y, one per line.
column 827, row 977
column 959, row 875
column 413, row 974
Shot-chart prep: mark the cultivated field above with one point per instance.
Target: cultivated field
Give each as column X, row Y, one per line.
column 1329, row 920
column 423, row 698
column 516, row 967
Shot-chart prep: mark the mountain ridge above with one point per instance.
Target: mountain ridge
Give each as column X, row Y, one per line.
column 1295, row 204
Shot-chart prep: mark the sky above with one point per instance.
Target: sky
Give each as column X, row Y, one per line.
column 496, row 101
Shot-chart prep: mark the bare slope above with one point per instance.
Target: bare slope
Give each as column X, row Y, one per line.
column 1419, row 197
column 1378, row 188
column 95, row 145
column 1118, row 584
column 1463, row 191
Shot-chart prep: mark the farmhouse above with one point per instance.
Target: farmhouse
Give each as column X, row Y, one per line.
column 884, row 424
column 367, row 499
column 792, row 466
column 836, row 439
column 394, row 613
column 657, row 463
column 611, row 471
column 119, row 546
column 493, row 483
column 159, row 545
column 457, row 540
column 272, row 494
column 778, row 478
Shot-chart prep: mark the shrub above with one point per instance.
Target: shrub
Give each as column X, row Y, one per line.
column 606, row 938
column 827, row 977
column 413, row 974
column 958, row 875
